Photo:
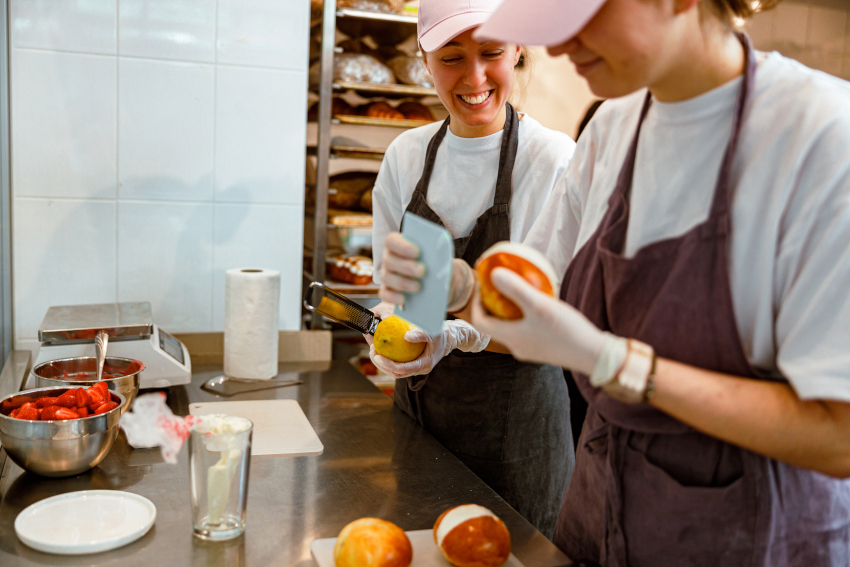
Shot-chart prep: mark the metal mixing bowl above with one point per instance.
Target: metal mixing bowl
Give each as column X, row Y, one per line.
column 59, row 447
column 82, row 371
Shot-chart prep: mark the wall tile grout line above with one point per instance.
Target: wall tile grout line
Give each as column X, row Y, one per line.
column 164, row 60
column 117, row 148
column 214, row 167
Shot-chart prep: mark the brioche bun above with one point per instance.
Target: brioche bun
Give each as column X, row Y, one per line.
column 372, row 542
column 525, row 261
column 472, row 536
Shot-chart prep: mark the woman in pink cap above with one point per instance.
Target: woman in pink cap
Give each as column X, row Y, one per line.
column 704, row 230
column 485, row 174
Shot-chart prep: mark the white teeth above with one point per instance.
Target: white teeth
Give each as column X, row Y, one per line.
column 478, row 99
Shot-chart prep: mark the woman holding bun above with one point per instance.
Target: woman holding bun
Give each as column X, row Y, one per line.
column 485, row 174
column 703, row 226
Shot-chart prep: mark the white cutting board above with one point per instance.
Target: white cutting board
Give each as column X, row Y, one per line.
column 280, row 427
column 425, row 552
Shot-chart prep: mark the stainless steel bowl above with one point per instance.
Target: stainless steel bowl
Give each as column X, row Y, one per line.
column 61, row 447
column 82, row 371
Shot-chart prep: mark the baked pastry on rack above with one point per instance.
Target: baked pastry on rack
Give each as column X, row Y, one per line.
column 415, row 111
column 350, row 268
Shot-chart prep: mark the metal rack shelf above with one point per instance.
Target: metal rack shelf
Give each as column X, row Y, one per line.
column 383, row 88
column 380, row 16
column 351, row 152
column 388, row 122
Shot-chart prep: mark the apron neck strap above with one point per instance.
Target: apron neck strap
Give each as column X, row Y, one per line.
column 507, row 157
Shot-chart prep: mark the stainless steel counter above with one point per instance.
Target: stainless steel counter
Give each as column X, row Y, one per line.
column 376, row 462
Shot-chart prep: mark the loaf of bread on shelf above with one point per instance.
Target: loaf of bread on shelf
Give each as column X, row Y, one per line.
column 350, row 268
column 366, row 200
column 345, row 189
column 386, row 6
column 415, row 111
column 380, row 109
column 338, row 108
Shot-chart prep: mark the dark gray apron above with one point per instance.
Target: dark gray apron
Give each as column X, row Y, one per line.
column 504, row 419
column 648, row 489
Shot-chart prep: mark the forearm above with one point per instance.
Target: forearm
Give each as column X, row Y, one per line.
column 494, row 346
column 765, row 417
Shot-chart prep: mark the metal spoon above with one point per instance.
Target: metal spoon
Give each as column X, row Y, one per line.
column 100, row 342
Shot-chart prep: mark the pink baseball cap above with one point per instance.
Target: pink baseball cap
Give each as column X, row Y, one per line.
column 442, row 20
column 538, row 22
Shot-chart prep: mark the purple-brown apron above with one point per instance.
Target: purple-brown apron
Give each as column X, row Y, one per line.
column 647, row 489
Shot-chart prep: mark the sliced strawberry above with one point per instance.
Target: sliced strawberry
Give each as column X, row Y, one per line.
column 45, row 402
column 68, row 399
column 49, row 413
column 83, row 411
column 108, row 406
column 104, row 389
column 30, row 412
column 15, row 402
column 83, row 398
column 95, row 396
column 65, row 413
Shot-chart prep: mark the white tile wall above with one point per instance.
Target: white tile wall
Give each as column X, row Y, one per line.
column 64, row 254
column 155, row 143
column 165, row 257
column 166, row 29
column 65, row 25
column 261, row 32
column 259, row 237
column 64, row 124
column 167, row 126
column 259, row 141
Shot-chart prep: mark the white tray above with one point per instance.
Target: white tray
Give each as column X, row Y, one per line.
column 425, row 552
column 83, row 522
column 280, row 427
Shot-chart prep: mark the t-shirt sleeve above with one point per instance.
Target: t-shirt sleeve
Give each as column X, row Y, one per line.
column 812, row 280
column 555, row 232
column 387, row 208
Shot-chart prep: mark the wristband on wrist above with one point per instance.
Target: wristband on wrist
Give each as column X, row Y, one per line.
column 632, row 381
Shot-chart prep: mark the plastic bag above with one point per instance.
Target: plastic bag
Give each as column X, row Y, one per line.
column 356, row 68
column 411, row 70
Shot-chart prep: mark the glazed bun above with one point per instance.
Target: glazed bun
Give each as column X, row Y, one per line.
column 472, row 536
column 371, row 542
column 525, row 261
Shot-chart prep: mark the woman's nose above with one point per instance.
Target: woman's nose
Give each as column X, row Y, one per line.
column 569, row 46
column 475, row 73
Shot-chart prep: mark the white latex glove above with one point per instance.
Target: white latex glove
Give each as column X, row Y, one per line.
column 550, row 332
column 456, row 335
column 400, row 272
column 382, row 310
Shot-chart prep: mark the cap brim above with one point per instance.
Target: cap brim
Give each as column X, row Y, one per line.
column 538, row 22
column 448, row 29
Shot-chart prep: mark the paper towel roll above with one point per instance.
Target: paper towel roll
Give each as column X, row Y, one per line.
column 251, row 299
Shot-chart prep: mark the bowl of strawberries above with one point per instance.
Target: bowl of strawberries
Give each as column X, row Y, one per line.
column 122, row 375
column 59, row 432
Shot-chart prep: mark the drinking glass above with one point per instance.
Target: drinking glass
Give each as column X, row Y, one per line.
column 219, row 461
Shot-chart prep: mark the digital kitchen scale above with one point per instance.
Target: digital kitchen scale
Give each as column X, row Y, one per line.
column 69, row 331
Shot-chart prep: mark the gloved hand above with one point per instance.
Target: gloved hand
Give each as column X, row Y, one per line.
column 550, row 332
column 456, row 335
column 400, row 272
column 382, row 310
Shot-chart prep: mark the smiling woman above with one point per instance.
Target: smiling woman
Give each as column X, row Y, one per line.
column 485, row 174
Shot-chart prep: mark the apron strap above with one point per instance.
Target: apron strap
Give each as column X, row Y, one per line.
column 723, row 191
column 507, row 157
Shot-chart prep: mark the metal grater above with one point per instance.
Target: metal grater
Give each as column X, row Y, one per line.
column 341, row 309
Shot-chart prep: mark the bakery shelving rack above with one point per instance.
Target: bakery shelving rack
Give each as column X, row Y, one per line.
column 324, row 151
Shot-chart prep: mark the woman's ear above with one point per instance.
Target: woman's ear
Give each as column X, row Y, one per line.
column 681, row 6
column 517, row 55
column 427, row 66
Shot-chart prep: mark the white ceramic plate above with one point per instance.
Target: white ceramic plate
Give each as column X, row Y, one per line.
column 82, row 522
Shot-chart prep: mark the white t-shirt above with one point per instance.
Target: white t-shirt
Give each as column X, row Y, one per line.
column 463, row 182
column 790, row 228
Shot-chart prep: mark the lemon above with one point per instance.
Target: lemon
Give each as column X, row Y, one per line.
column 389, row 340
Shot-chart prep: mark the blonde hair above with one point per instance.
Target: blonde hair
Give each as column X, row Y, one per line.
column 732, row 12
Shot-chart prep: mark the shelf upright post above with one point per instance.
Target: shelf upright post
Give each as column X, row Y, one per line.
column 323, row 149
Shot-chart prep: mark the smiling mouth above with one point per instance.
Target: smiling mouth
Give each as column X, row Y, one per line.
column 476, row 99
